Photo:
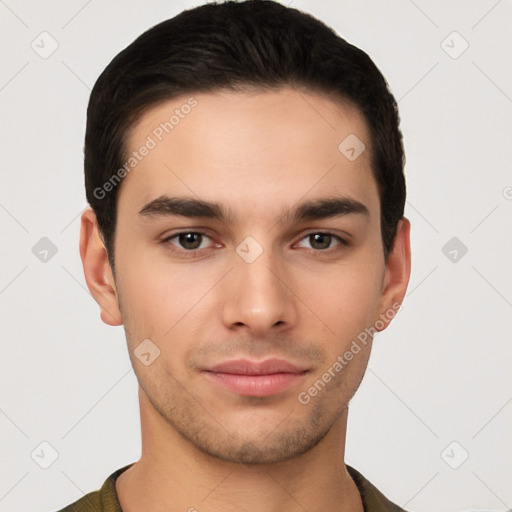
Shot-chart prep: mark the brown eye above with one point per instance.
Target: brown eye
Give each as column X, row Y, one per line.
column 187, row 242
column 190, row 240
column 320, row 241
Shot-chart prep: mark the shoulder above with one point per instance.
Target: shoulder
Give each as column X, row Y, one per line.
column 102, row 500
column 373, row 499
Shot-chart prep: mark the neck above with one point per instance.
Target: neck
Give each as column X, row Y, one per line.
column 174, row 475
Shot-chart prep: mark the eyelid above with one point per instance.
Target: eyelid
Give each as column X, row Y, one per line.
column 192, row 252
column 199, row 231
column 334, row 234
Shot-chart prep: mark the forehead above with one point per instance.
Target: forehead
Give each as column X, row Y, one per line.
column 249, row 150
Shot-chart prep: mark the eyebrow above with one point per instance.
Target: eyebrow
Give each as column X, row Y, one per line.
column 317, row 209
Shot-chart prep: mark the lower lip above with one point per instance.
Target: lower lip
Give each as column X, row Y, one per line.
column 256, row 385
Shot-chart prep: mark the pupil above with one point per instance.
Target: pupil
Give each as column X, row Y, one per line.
column 319, row 237
column 189, row 239
column 322, row 239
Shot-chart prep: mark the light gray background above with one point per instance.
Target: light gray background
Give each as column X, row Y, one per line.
column 440, row 374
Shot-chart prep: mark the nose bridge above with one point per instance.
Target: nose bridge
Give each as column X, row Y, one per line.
column 257, row 296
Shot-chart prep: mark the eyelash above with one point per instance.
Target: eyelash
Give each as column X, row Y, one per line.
column 197, row 252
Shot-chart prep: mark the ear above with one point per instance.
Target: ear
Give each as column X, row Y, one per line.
column 97, row 271
column 396, row 276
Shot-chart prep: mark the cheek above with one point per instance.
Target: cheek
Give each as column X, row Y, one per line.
column 346, row 301
column 345, row 296
column 158, row 299
column 162, row 300
column 158, row 306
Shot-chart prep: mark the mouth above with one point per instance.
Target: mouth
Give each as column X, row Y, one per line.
column 253, row 378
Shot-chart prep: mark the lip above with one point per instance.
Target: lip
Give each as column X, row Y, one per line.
column 248, row 367
column 255, row 378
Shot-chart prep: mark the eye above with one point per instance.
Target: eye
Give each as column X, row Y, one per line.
column 189, row 241
column 193, row 242
column 321, row 241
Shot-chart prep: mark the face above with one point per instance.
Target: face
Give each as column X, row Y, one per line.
column 271, row 272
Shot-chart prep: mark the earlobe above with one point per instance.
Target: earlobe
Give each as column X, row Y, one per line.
column 97, row 271
column 397, row 273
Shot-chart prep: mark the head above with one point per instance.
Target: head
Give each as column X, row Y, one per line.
column 253, row 109
column 236, row 46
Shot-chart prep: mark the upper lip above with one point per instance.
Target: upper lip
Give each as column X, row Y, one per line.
column 248, row 367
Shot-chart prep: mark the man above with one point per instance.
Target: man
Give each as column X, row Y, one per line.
column 244, row 165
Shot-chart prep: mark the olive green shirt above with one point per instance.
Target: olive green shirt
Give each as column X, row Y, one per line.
column 105, row 499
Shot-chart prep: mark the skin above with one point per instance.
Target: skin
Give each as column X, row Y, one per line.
column 258, row 154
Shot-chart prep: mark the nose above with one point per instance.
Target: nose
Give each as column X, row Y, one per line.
column 258, row 295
